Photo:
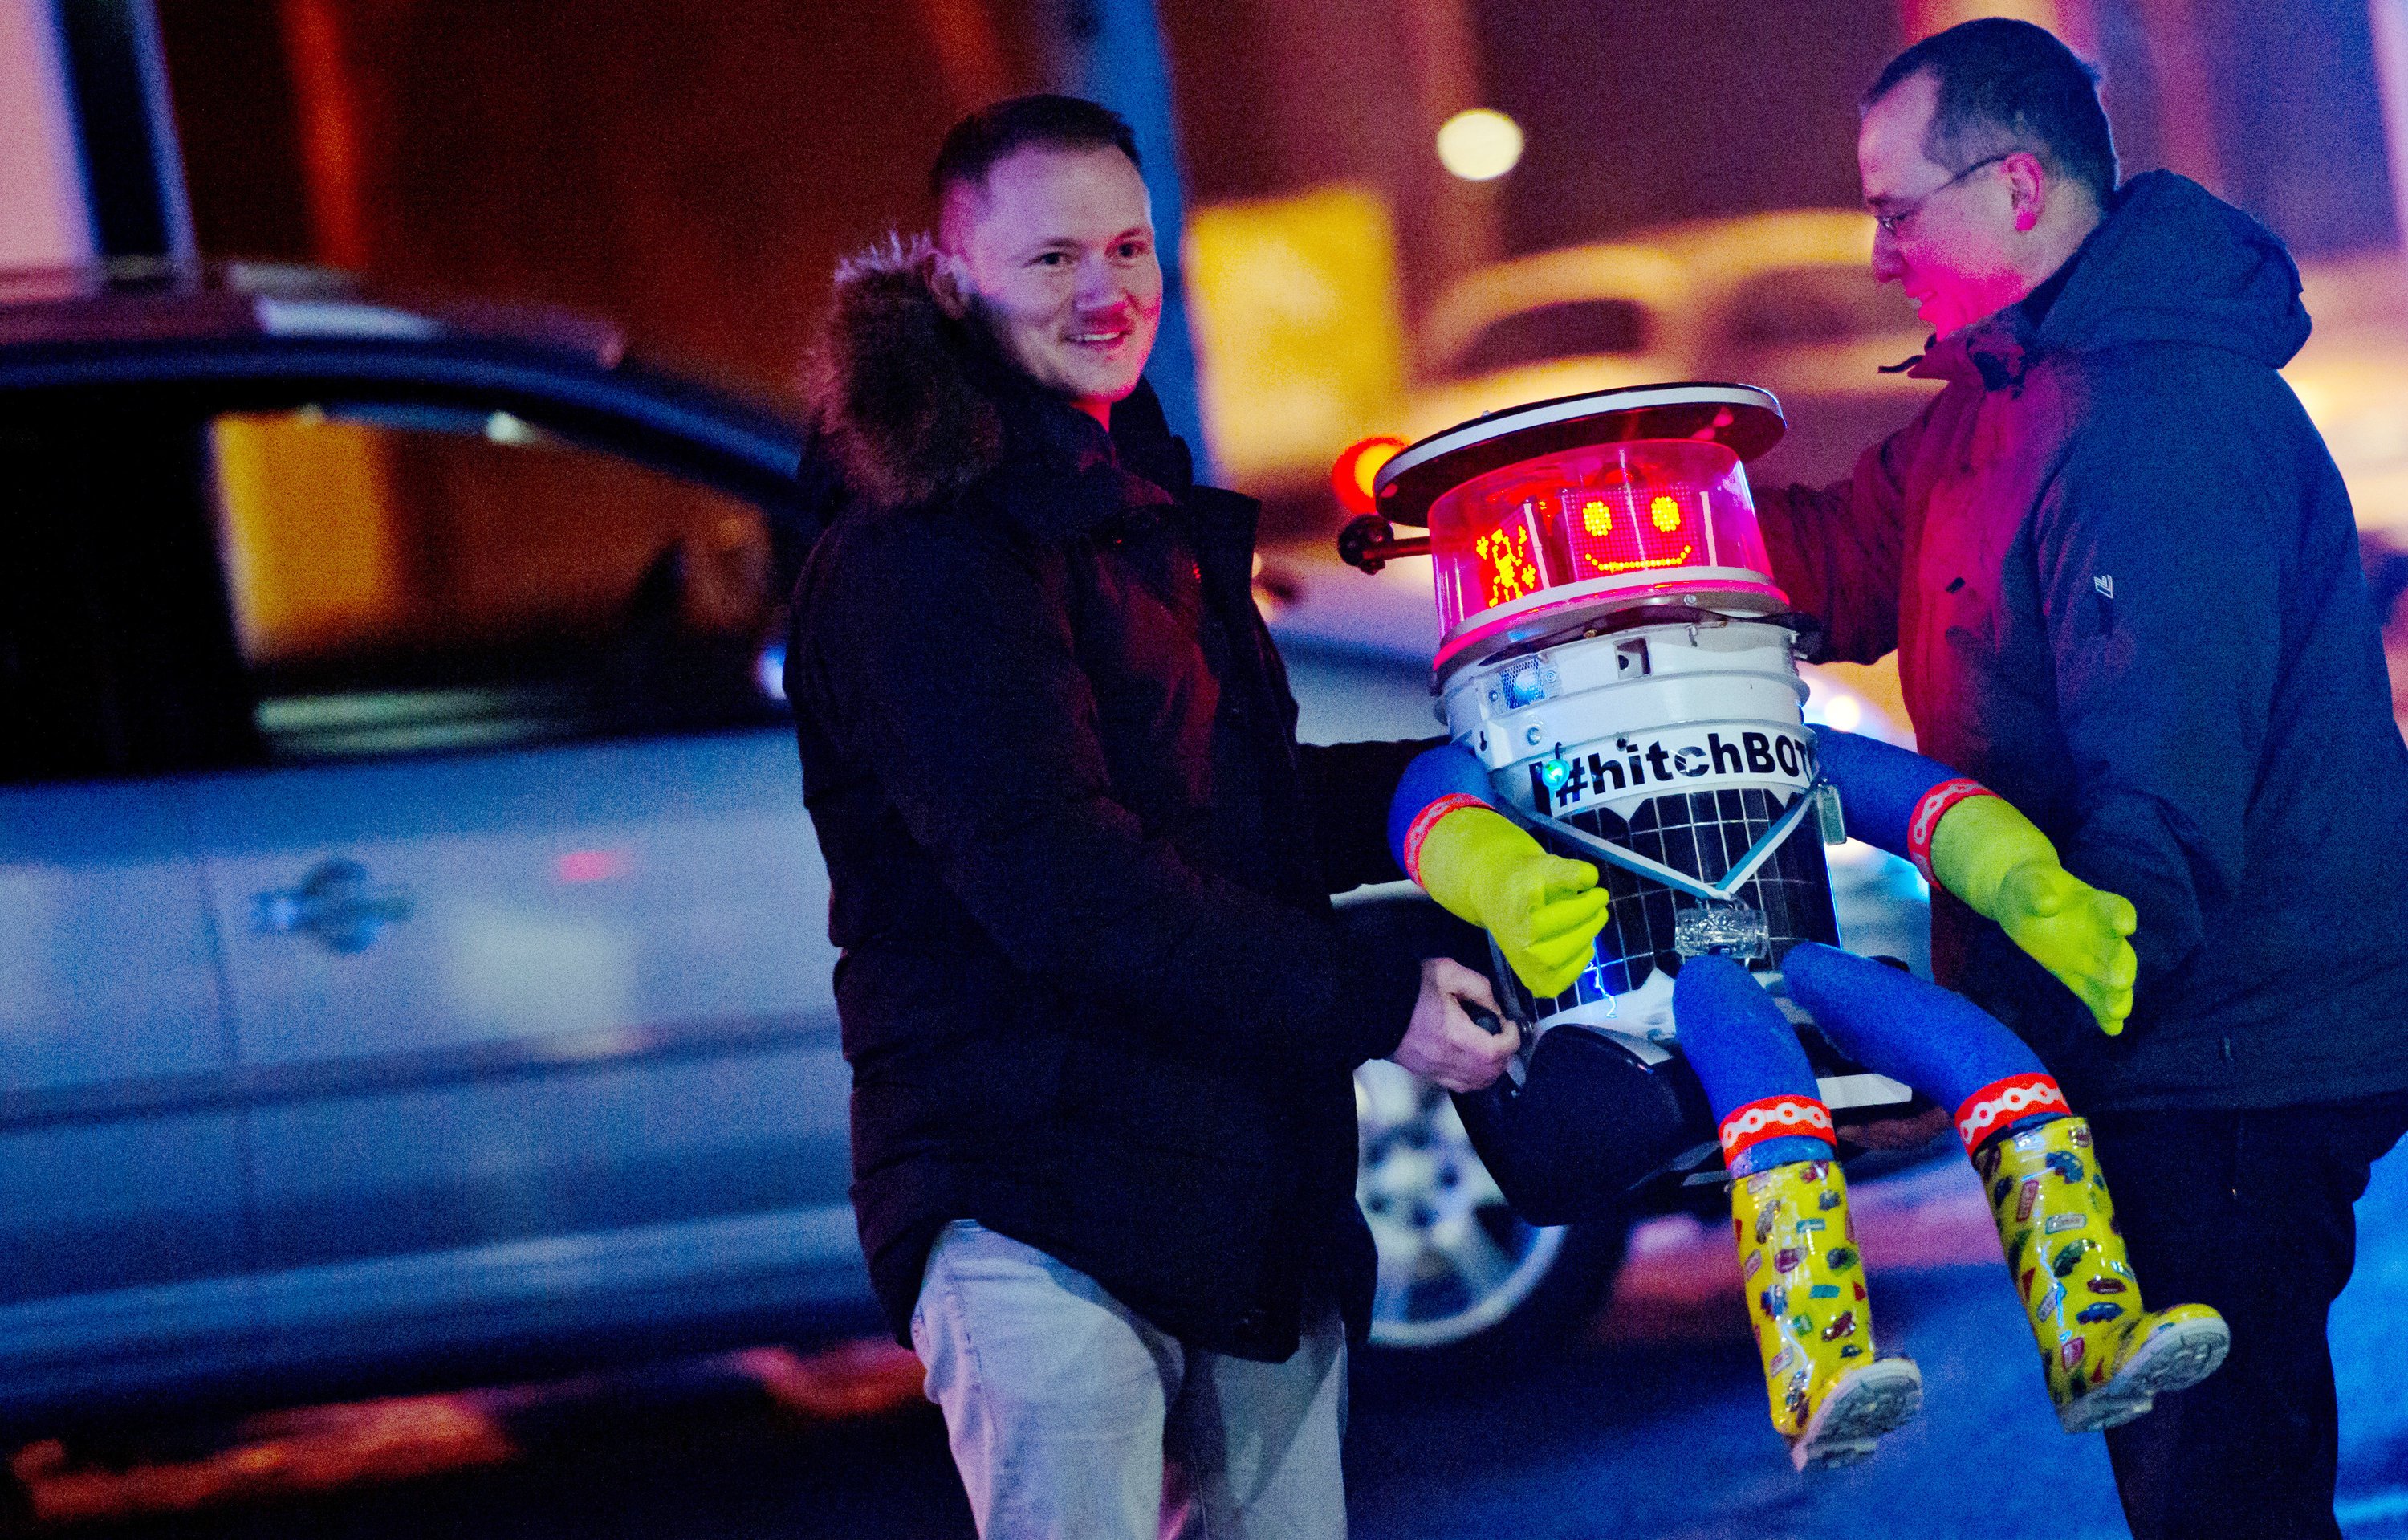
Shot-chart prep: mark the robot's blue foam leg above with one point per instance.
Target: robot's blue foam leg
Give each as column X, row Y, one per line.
column 1898, row 1025
column 1743, row 1050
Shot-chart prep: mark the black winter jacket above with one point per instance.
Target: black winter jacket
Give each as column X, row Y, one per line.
column 2122, row 579
column 1092, row 990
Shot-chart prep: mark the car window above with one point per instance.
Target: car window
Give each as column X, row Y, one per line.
column 1801, row 307
column 1568, row 329
column 396, row 583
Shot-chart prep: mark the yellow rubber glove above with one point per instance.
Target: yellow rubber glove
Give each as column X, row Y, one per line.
column 1990, row 855
column 1544, row 911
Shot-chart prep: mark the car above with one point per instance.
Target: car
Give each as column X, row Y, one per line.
column 1784, row 301
column 412, row 937
column 413, row 965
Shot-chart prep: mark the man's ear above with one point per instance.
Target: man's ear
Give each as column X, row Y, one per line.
column 2028, row 188
column 948, row 278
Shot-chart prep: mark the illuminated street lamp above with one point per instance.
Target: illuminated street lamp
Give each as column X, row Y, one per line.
column 1480, row 145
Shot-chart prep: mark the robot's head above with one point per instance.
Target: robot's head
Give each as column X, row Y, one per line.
column 1544, row 516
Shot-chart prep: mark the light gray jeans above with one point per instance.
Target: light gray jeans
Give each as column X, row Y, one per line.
column 1071, row 1419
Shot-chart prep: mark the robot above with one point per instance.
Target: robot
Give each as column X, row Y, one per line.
column 1633, row 808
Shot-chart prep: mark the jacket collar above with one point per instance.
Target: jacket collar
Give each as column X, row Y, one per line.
column 1062, row 477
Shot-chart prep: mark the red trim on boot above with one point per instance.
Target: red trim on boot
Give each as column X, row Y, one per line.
column 2001, row 1102
column 1773, row 1117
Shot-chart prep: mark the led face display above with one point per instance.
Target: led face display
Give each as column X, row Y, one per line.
column 1510, row 570
column 1649, row 516
column 1632, row 528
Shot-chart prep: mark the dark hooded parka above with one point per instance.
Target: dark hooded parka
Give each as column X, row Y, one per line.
column 1092, row 990
column 2120, row 572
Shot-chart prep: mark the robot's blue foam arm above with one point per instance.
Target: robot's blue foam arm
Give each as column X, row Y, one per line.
column 1906, row 1028
column 1442, row 771
column 1879, row 784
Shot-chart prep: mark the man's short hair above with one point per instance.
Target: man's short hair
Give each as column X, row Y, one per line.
column 996, row 133
column 2007, row 85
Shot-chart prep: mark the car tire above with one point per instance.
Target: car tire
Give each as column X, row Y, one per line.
column 1466, row 1289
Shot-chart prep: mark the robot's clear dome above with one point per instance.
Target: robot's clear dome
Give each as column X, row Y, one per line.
column 1602, row 527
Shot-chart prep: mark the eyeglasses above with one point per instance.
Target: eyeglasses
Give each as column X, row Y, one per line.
column 1893, row 219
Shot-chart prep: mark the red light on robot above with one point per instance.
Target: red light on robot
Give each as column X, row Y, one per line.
column 1352, row 475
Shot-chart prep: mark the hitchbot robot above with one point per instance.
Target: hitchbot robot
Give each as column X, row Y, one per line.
column 1614, row 652
column 1618, row 675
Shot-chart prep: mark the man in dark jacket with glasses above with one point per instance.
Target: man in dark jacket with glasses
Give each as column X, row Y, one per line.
column 2120, row 573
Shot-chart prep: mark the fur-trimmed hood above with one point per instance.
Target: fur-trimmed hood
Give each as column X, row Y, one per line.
column 895, row 384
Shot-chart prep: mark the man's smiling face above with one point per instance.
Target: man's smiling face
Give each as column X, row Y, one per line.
column 1055, row 251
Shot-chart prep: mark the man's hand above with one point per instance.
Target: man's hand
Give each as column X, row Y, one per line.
column 2076, row 932
column 1544, row 911
column 1443, row 1043
column 1990, row 855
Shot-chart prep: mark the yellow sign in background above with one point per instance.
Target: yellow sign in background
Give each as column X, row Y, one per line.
column 1300, row 347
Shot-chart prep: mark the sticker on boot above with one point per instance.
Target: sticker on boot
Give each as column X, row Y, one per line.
column 2057, row 1224
column 2091, row 1314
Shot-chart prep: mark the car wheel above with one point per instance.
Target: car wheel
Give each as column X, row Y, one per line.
column 1464, row 1284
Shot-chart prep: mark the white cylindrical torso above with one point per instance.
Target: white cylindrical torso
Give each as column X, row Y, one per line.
column 1684, row 744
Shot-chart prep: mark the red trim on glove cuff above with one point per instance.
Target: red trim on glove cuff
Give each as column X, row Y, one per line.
column 1425, row 820
column 1924, row 821
column 2001, row 1102
column 1773, row 1117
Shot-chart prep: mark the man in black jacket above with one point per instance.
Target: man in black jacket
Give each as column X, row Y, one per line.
column 1101, row 1018
column 2119, row 572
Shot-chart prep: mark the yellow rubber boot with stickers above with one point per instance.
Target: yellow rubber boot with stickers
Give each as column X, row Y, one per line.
column 2105, row 1355
column 1832, row 1395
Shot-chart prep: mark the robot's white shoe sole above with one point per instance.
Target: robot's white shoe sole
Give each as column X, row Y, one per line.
column 1882, row 1397
column 2177, row 1356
